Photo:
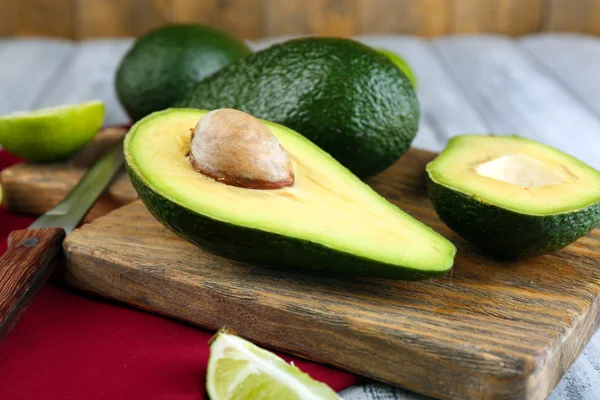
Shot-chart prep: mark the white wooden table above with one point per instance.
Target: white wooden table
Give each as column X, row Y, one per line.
column 546, row 87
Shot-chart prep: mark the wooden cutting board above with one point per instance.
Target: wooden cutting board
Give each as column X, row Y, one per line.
column 31, row 188
column 493, row 329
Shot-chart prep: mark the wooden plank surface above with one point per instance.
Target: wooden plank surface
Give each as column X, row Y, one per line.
column 405, row 16
column 582, row 382
column 103, row 18
column 569, row 15
column 518, row 17
column 8, row 11
column 34, row 189
column 251, row 19
column 89, row 75
column 323, row 17
column 572, row 60
column 27, row 67
column 44, row 17
column 492, row 329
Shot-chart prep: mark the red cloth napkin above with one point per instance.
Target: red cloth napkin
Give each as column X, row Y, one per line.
column 70, row 345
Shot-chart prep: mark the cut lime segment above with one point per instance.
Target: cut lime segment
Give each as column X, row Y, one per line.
column 239, row 370
column 402, row 64
column 52, row 133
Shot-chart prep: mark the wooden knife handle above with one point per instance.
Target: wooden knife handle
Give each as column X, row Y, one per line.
column 24, row 268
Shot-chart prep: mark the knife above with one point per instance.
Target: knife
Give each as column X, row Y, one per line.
column 29, row 259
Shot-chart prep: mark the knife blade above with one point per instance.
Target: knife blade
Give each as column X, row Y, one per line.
column 29, row 259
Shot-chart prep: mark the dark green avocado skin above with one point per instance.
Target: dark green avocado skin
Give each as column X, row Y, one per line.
column 506, row 232
column 167, row 62
column 346, row 97
column 254, row 245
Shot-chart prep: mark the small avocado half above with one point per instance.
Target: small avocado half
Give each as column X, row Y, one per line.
column 513, row 196
column 327, row 221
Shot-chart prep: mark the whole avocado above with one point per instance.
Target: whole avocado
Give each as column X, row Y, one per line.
column 346, row 97
column 167, row 62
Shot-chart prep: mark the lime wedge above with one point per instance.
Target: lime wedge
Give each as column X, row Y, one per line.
column 52, row 133
column 240, row 370
column 402, row 64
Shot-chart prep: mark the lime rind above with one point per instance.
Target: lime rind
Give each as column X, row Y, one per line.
column 239, row 370
column 51, row 111
column 51, row 134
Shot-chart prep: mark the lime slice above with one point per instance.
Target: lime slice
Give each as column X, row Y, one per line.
column 52, row 133
column 239, row 370
column 402, row 64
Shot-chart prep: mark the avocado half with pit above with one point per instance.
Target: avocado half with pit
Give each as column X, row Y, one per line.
column 513, row 196
column 324, row 219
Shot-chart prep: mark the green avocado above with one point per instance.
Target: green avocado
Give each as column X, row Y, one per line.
column 346, row 97
column 167, row 62
column 402, row 64
column 513, row 196
column 328, row 221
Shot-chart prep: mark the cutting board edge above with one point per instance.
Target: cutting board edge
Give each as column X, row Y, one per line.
column 522, row 386
column 578, row 337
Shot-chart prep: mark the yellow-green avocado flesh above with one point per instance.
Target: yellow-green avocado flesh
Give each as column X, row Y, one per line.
column 329, row 221
column 513, row 196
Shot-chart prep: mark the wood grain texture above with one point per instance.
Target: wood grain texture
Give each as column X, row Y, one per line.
column 8, row 12
column 568, row 15
column 316, row 17
column 594, row 25
column 251, row 19
column 242, row 18
column 470, row 16
column 512, row 17
column 492, row 329
column 238, row 17
column 43, row 17
column 405, row 16
column 24, row 268
column 95, row 18
column 35, row 189
column 518, row 17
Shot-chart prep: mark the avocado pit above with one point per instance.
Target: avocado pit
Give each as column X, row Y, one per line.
column 237, row 149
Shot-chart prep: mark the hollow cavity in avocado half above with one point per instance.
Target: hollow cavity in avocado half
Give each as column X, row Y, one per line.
column 513, row 196
column 318, row 215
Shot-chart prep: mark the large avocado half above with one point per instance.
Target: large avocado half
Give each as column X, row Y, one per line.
column 513, row 196
column 327, row 221
column 167, row 62
column 346, row 97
